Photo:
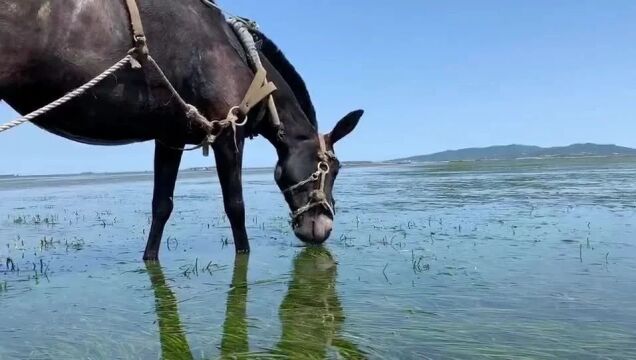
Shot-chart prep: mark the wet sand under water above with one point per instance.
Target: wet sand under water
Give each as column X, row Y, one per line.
column 513, row 259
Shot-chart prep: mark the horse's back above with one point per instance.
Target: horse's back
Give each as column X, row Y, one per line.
column 64, row 44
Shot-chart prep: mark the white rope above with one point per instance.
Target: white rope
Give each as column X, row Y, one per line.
column 247, row 40
column 310, row 206
column 68, row 97
column 242, row 31
column 240, row 26
column 313, row 177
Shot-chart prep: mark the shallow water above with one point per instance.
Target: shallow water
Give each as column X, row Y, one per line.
column 524, row 259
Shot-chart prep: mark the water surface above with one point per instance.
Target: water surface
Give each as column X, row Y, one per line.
column 524, row 259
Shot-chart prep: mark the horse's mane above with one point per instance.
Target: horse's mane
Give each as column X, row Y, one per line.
column 276, row 57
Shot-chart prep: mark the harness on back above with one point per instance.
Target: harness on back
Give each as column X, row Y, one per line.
column 259, row 90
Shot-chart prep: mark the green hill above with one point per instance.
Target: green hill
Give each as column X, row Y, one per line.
column 509, row 152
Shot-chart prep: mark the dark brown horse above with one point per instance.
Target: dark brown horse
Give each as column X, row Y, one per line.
column 48, row 48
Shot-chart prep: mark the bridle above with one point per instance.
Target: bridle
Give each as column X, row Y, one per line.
column 318, row 197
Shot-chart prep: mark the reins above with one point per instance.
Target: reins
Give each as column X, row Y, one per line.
column 317, row 197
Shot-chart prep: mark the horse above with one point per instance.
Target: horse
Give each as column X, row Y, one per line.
column 48, row 48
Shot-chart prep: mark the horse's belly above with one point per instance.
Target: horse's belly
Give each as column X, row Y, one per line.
column 98, row 130
column 95, row 138
column 105, row 121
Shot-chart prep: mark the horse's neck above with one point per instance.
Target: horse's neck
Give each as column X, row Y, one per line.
column 293, row 120
column 293, row 127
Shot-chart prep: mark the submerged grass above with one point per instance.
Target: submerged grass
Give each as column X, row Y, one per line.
column 189, row 271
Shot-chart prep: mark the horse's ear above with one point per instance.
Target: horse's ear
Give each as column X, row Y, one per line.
column 345, row 126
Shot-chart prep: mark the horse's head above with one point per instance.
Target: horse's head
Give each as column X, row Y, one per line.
column 305, row 173
column 307, row 166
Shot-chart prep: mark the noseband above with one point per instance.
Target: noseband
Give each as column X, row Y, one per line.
column 317, row 197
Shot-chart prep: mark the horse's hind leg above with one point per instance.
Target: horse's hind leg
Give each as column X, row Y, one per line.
column 166, row 169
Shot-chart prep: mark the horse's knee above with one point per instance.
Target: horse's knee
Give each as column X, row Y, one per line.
column 162, row 209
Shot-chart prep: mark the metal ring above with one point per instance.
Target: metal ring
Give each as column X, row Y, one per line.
column 323, row 167
column 242, row 123
column 315, row 176
column 235, row 112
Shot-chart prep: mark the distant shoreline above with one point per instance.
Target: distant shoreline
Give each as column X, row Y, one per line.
column 514, row 151
column 248, row 170
column 349, row 164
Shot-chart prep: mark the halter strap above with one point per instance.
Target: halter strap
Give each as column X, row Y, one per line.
column 139, row 37
column 135, row 19
column 323, row 145
column 258, row 91
column 317, row 197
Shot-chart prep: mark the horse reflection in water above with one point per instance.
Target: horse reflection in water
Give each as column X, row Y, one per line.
column 235, row 326
column 174, row 344
column 310, row 314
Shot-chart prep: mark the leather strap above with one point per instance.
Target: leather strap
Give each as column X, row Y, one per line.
column 139, row 37
column 323, row 145
column 258, row 90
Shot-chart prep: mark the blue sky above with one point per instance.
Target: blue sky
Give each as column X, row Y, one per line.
column 431, row 76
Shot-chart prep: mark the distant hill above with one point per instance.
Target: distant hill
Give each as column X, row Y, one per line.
column 509, row 152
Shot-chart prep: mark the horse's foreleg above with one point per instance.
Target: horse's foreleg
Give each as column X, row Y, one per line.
column 166, row 169
column 229, row 166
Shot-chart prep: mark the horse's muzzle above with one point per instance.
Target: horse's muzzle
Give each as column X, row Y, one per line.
column 314, row 229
